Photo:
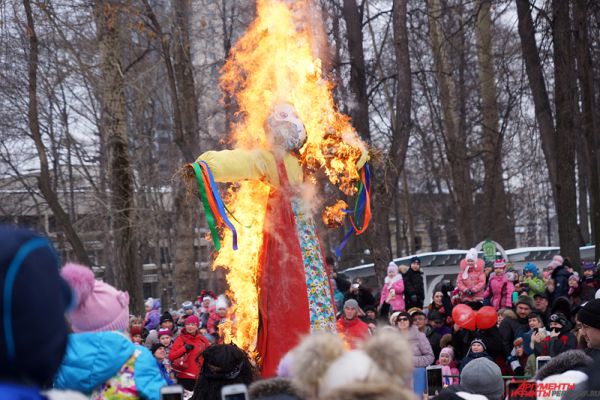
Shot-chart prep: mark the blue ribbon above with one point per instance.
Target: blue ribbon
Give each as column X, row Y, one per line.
column 338, row 250
column 220, row 206
column 362, row 199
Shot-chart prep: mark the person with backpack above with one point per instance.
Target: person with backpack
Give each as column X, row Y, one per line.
column 500, row 289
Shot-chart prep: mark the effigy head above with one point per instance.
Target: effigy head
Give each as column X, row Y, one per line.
column 284, row 128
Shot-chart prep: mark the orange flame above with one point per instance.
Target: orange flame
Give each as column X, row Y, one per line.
column 333, row 216
column 275, row 61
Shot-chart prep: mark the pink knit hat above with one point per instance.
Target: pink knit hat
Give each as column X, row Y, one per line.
column 192, row 319
column 100, row 306
column 448, row 351
column 164, row 332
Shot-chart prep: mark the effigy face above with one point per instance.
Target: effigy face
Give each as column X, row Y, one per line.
column 285, row 130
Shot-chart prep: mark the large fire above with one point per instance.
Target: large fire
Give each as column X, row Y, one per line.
column 277, row 61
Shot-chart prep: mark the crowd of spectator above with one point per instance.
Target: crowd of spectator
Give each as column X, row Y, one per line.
column 385, row 339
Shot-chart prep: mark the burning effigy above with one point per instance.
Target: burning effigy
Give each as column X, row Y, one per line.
column 287, row 129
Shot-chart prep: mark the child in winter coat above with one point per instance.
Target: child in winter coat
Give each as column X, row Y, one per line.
column 449, row 371
column 471, row 278
column 165, row 338
column 589, row 282
column 152, row 318
column 477, row 350
column 160, row 354
column 500, row 289
column 532, row 280
column 518, row 357
column 574, row 289
column 393, row 286
column 100, row 360
column 136, row 335
column 216, row 319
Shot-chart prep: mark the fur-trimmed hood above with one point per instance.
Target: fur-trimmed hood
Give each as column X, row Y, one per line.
column 370, row 391
column 396, row 278
column 322, row 367
column 274, row 388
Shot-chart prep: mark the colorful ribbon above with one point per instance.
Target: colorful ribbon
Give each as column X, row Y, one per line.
column 362, row 203
column 212, row 203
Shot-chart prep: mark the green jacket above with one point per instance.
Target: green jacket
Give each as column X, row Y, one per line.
column 536, row 286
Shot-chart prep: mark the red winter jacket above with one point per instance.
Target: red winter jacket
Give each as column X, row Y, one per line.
column 195, row 358
column 353, row 330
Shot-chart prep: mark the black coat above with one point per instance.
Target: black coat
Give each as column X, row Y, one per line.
column 414, row 289
column 560, row 276
column 509, row 329
column 472, row 356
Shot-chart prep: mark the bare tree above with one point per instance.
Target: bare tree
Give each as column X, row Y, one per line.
column 455, row 140
column 558, row 142
column 182, row 92
column 590, row 124
column 127, row 270
column 353, row 15
column 45, row 181
column 496, row 219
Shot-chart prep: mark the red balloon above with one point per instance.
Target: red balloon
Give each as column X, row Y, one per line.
column 486, row 317
column 464, row 316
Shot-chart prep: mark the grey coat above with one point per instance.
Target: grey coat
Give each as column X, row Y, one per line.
column 422, row 352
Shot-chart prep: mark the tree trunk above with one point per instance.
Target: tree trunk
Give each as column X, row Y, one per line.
column 558, row 144
column 386, row 172
column 456, row 148
column 408, row 209
column 582, row 190
column 590, row 125
column 496, row 214
column 358, row 78
column 44, row 181
column 186, row 275
column 127, row 271
column 185, row 120
column 387, row 187
column 398, row 226
column 541, row 101
column 565, row 90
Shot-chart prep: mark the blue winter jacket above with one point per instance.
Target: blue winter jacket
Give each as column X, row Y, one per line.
column 92, row 358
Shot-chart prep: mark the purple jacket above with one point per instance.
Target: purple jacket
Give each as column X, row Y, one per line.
column 152, row 319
